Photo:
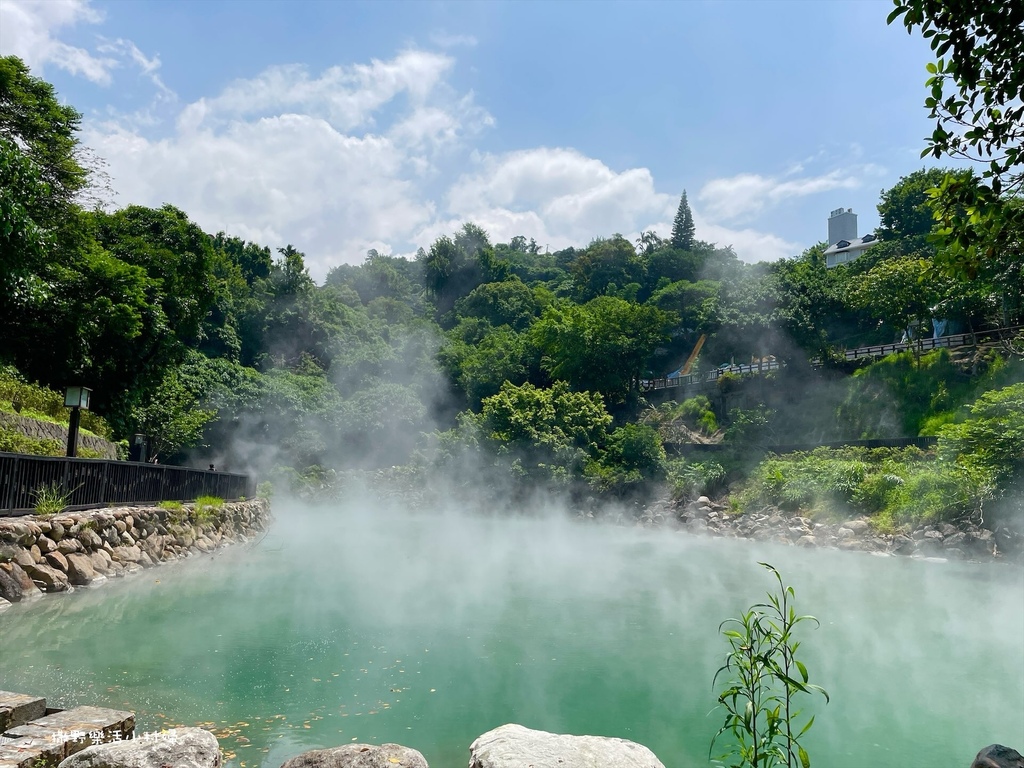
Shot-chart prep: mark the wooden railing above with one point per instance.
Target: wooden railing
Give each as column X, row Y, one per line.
column 877, row 350
column 687, row 449
column 647, row 385
column 92, row 482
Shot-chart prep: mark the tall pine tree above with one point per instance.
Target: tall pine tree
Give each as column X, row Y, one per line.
column 682, row 227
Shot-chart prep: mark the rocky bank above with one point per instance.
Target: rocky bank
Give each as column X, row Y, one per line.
column 60, row 552
column 966, row 541
column 509, row 746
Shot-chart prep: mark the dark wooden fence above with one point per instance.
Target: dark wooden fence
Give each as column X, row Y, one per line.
column 92, row 482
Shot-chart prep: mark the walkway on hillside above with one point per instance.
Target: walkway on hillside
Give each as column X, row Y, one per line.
column 875, row 351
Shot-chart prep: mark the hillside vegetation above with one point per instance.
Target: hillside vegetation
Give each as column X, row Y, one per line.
column 33, row 401
column 502, row 356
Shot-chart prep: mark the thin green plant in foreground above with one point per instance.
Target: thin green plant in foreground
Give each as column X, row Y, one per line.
column 766, row 677
column 50, row 498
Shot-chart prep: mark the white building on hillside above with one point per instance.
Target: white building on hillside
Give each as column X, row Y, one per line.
column 843, row 244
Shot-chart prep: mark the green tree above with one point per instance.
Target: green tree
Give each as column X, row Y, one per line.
column 550, row 433
column 509, row 302
column 602, row 345
column 379, row 276
column 23, row 236
column 253, row 260
column 907, row 214
column 682, row 226
column 171, row 416
column 176, row 254
column 989, row 440
column 606, row 266
column 633, row 455
column 455, row 266
column 44, row 131
column 900, row 292
column 974, row 93
column 693, row 303
column 812, row 304
column 668, row 265
column 648, row 242
column 479, row 367
column 40, row 176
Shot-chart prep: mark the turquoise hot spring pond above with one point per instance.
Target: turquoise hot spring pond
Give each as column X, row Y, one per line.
column 351, row 622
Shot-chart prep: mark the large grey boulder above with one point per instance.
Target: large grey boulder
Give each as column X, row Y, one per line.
column 514, row 746
column 49, row 579
column 998, row 756
column 179, row 748
column 80, row 570
column 29, row 590
column 359, row 756
column 10, row 587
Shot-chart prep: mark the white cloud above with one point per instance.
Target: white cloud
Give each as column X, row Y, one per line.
column 28, row 28
column 561, row 197
column 353, row 157
column 149, row 65
column 749, row 244
column 556, row 195
column 347, row 96
column 745, row 196
column 289, row 167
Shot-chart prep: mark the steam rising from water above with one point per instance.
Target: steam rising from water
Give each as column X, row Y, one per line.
column 383, row 624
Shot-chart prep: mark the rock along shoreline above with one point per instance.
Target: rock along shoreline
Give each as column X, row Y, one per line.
column 57, row 553
column 966, row 541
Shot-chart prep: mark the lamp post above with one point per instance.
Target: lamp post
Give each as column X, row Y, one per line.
column 76, row 399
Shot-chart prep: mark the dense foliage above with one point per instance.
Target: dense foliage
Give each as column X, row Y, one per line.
column 974, row 91
column 523, row 361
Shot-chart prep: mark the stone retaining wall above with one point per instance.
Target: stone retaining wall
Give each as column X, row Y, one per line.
column 47, row 430
column 965, row 541
column 59, row 552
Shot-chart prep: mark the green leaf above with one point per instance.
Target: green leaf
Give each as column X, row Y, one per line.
column 805, row 759
column 806, row 728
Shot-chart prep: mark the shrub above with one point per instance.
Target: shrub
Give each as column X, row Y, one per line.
column 15, row 442
column 690, row 479
column 38, row 402
column 208, row 509
column 896, row 396
column 990, row 437
column 176, row 512
column 672, row 420
column 50, row 499
column 697, row 413
column 896, row 486
column 636, row 447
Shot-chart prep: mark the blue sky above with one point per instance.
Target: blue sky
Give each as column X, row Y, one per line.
column 340, row 126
